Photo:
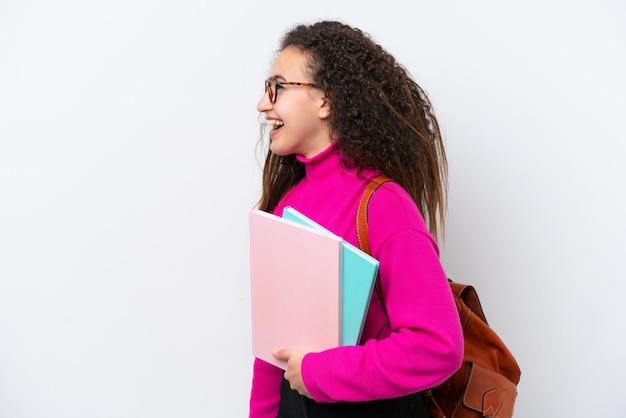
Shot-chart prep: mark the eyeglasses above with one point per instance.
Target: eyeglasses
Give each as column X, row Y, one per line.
column 272, row 86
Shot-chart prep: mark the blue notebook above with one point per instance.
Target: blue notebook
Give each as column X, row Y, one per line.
column 358, row 273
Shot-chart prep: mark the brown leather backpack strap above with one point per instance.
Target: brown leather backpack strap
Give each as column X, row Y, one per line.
column 361, row 222
column 434, row 409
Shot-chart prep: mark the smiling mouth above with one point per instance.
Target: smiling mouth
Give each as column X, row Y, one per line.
column 275, row 124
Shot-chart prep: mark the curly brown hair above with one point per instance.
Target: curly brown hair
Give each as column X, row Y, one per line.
column 381, row 118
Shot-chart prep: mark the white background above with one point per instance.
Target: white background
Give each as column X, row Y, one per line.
column 128, row 164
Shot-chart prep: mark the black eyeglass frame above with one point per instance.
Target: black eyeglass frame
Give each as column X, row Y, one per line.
column 272, row 91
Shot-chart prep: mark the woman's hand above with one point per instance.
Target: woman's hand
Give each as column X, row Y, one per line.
column 294, row 369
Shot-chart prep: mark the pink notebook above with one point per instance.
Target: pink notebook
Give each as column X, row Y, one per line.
column 296, row 287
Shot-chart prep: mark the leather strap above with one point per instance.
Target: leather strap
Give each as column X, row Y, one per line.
column 361, row 228
column 361, row 224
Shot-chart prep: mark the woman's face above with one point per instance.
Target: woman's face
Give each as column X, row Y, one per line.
column 299, row 118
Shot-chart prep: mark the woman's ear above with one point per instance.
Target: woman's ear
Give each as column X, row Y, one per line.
column 324, row 111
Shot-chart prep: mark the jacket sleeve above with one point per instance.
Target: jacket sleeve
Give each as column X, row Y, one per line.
column 424, row 342
column 265, row 393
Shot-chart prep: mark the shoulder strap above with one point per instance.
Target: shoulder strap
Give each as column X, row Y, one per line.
column 361, row 222
column 463, row 292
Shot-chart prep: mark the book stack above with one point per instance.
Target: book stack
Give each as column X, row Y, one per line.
column 310, row 289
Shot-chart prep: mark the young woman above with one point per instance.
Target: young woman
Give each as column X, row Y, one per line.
column 341, row 111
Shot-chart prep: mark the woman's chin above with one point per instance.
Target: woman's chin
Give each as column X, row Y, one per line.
column 278, row 150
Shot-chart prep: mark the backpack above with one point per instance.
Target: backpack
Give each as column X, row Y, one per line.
column 485, row 386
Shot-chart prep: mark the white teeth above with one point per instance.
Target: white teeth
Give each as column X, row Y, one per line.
column 275, row 123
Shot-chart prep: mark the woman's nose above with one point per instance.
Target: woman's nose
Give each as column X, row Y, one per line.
column 264, row 104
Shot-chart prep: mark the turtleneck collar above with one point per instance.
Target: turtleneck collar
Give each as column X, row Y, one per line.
column 322, row 164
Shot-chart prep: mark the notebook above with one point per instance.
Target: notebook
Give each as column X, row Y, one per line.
column 295, row 274
column 359, row 271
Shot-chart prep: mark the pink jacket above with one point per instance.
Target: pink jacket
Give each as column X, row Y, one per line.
column 423, row 345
